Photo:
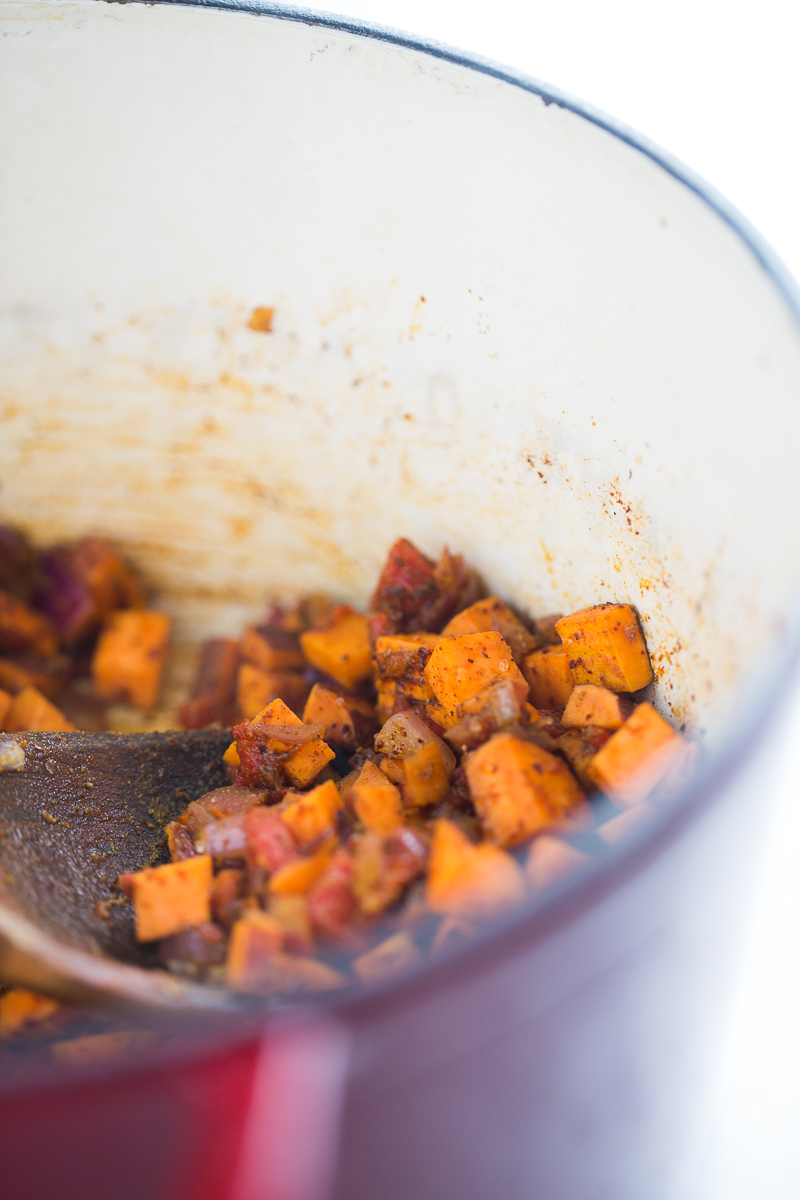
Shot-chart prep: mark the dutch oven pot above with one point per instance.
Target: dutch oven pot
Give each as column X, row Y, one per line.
column 501, row 323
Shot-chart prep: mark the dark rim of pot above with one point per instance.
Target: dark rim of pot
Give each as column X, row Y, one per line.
column 540, row 918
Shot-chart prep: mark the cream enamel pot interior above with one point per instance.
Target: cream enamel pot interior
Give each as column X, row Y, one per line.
column 503, row 324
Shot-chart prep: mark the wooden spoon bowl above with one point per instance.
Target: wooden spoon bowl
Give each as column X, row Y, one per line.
column 83, row 808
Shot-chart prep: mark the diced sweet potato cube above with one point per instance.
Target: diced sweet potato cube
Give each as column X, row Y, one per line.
column 297, row 877
column 547, row 671
column 396, row 654
column 387, row 692
column 385, row 866
column 519, row 789
column 20, row 1007
column 551, row 859
column 255, row 939
column 304, row 765
column 231, row 756
column 618, row 828
column 495, row 614
column 390, row 957
column 257, row 687
column 376, row 801
column 342, row 650
column 470, row 880
column 460, row 667
column 23, row 629
column 312, row 814
column 173, row 897
column 130, row 656
column 31, row 710
column 425, row 777
column 272, row 648
column 349, row 721
column 592, row 705
column 291, row 913
column 6, row 701
column 637, row 757
column 605, row 645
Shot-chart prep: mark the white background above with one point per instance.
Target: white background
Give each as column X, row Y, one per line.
column 718, row 85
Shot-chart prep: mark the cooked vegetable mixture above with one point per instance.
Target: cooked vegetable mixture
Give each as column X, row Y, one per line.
column 396, row 778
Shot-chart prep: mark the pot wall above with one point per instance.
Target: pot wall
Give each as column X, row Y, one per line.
column 498, row 325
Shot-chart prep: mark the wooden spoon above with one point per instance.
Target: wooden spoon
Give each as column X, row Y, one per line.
column 82, row 809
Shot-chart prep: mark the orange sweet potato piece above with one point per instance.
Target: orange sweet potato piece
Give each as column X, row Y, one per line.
column 342, row 649
column 495, row 614
column 349, row 721
column 547, row 671
column 272, row 648
column 470, row 880
column 302, row 767
column 519, row 789
column 460, row 667
column 20, row 1007
column 297, row 877
column 24, row 629
column 130, row 656
column 605, row 645
column 376, row 801
column 6, row 701
column 387, row 692
column 172, row 897
column 396, row 654
column 257, row 687
column 592, row 705
column 255, row 938
column 637, row 757
column 390, row 957
column 313, row 813
column 291, row 913
column 551, row 859
column 426, row 779
column 31, row 710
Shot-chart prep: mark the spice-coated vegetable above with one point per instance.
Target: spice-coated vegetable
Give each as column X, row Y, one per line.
column 398, row 777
